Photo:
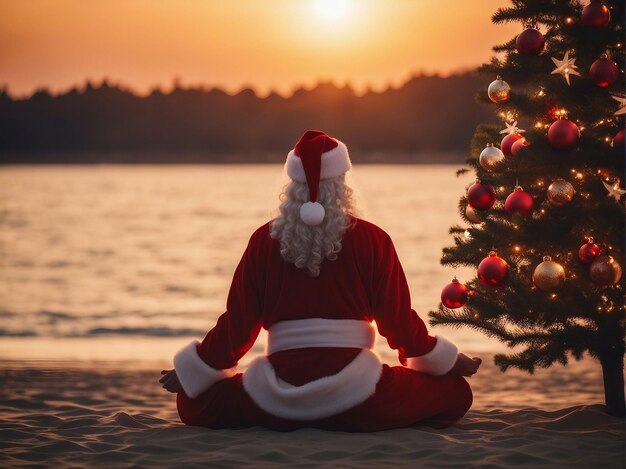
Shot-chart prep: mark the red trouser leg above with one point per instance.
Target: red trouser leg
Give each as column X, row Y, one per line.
column 403, row 398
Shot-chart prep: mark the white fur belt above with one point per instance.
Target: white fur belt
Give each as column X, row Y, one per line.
column 324, row 396
column 316, row 332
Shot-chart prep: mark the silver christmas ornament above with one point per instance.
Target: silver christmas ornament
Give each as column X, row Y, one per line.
column 471, row 215
column 499, row 90
column 490, row 158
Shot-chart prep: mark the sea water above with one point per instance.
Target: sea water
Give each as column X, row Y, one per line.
column 130, row 262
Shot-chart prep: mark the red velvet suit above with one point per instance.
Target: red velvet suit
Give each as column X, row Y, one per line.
column 365, row 283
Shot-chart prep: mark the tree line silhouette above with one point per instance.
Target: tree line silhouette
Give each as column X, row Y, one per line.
column 430, row 118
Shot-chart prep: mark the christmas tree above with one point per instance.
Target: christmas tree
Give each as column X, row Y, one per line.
column 546, row 213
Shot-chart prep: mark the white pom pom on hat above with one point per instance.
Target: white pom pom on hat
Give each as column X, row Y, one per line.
column 312, row 213
column 315, row 157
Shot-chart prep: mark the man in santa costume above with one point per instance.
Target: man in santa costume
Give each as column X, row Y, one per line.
column 317, row 278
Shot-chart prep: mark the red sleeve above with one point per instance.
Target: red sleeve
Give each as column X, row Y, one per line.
column 237, row 329
column 391, row 303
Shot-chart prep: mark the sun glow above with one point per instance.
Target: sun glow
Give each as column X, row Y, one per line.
column 333, row 9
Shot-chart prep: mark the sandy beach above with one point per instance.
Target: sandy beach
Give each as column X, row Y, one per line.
column 116, row 415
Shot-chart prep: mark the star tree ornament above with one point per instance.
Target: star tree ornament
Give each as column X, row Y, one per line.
column 622, row 105
column 565, row 67
column 614, row 190
column 511, row 129
column 499, row 90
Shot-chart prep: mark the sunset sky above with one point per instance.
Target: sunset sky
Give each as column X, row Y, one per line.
column 264, row 44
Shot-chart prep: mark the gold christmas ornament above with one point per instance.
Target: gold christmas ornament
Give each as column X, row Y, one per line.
column 549, row 276
column 605, row 271
column 499, row 90
column 471, row 215
column 490, row 158
column 560, row 192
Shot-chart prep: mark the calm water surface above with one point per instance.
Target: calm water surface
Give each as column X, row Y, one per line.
column 129, row 262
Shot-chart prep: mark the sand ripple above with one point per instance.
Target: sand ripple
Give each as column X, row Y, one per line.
column 121, row 418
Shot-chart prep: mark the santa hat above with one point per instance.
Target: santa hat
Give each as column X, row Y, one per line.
column 315, row 157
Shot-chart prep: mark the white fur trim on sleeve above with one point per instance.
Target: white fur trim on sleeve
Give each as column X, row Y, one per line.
column 335, row 162
column 438, row 361
column 194, row 375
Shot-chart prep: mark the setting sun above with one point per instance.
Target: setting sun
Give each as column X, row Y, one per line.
column 333, row 9
column 287, row 44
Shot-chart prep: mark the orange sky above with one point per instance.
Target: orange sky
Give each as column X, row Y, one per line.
column 265, row 44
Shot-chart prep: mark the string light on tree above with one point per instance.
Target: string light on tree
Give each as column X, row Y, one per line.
column 565, row 67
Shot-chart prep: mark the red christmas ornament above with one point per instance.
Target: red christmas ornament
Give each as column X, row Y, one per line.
column 605, row 271
column 507, row 142
column 518, row 145
column 563, row 134
column 519, row 202
column 596, row 14
column 530, row 42
column 481, row 196
column 603, row 72
column 454, row 294
column 492, row 270
column 618, row 140
column 588, row 251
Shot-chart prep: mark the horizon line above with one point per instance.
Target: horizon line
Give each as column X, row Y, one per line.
column 177, row 84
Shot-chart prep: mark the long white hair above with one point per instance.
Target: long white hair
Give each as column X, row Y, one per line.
column 307, row 246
